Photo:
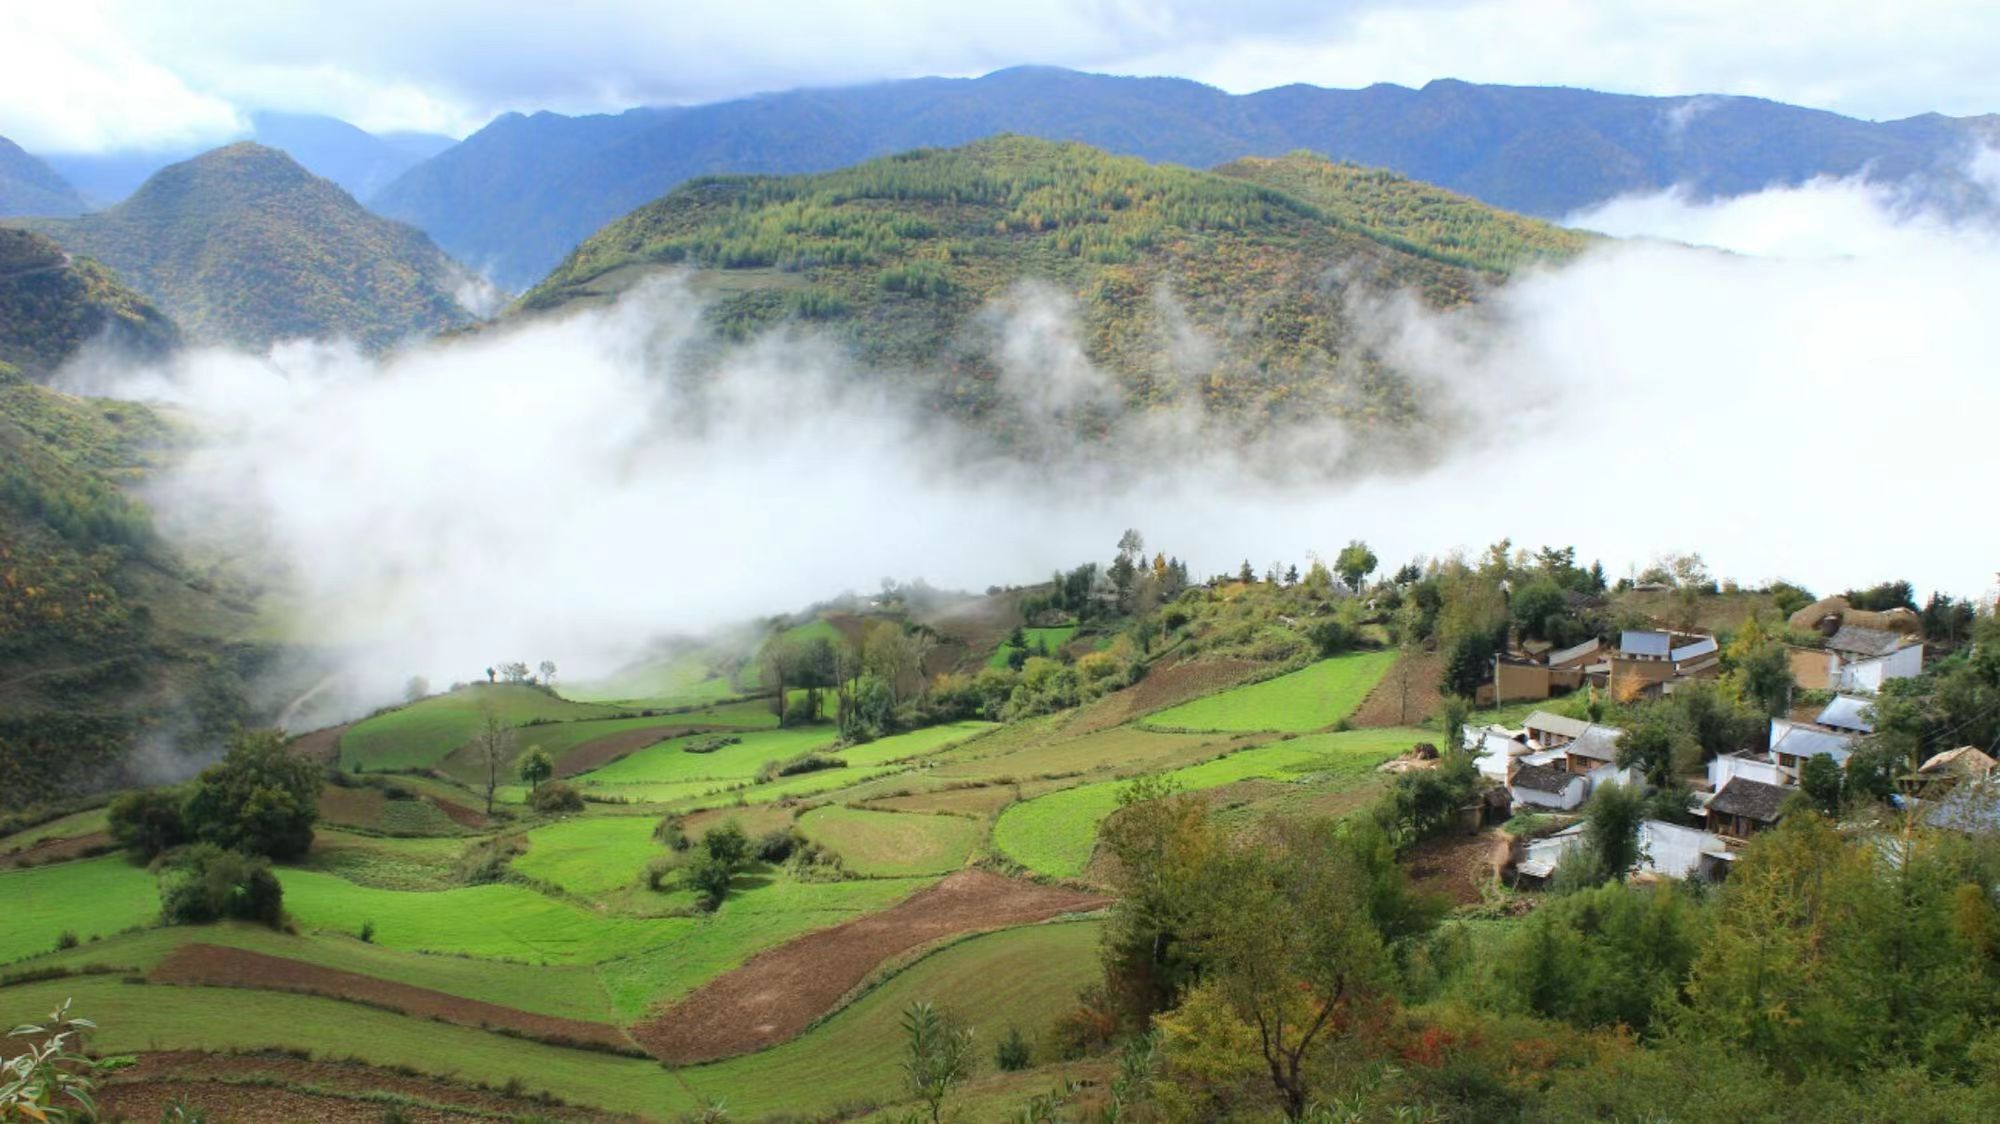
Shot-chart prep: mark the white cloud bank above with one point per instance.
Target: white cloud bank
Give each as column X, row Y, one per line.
column 567, row 489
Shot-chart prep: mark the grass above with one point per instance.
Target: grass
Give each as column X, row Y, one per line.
column 591, row 855
column 1022, row 977
column 1055, row 834
column 916, row 743
column 65, row 827
column 1311, row 698
column 674, row 681
column 389, row 864
column 91, row 898
column 1124, row 748
column 885, row 843
column 1052, row 639
column 669, row 762
column 420, row 735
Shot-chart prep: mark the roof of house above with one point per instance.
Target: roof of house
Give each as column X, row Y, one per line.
column 1966, row 760
column 1857, row 641
column 1599, row 743
column 1847, row 713
column 1555, row 724
column 1571, row 655
column 1636, row 643
column 1753, row 799
column 1705, row 646
column 1804, row 741
column 1970, row 807
column 1543, row 778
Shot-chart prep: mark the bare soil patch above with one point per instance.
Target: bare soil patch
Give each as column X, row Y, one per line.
column 208, row 965
column 321, row 747
column 1454, row 864
column 461, row 814
column 1164, row 686
column 599, row 752
column 59, row 850
column 281, row 1089
column 1386, row 705
column 360, row 806
column 781, row 991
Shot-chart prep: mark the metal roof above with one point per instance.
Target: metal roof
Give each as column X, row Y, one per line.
column 1857, row 641
column 1555, row 724
column 1847, row 713
column 1801, row 741
column 1599, row 743
column 1703, row 647
column 1636, row 643
column 1568, row 655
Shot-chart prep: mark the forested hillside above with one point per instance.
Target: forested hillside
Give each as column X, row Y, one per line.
column 906, row 259
column 516, row 196
column 243, row 246
column 30, row 187
column 52, row 304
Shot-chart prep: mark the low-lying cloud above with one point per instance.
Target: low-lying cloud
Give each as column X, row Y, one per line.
column 1806, row 399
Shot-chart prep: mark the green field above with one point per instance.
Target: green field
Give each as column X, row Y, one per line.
column 422, row 734
column 674, row 681
column 880, row 843
column 1051, row 638
column 1055, row 834
column 1311, row 698
column 591, row 854
column 65, row 827
column 668, row 762
column 1121, row 748
column 91, row 898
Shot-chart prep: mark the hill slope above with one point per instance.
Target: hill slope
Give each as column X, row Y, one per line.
column 514, row 197
column 917, row 260
column 30, row 187
column 243, row 246
column 52, row 304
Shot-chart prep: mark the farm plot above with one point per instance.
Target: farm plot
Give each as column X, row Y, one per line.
column 422, row 734
column 675, row 681
column 779, row 993
column 670, row 762
column 1055, row 834
column 1125, row 749
column 389, row 864
column 1311, row 698
column 892, row 843
column 1039, row 641
column 89, row 898
column 591, row 855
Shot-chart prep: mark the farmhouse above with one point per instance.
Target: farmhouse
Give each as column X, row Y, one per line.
column 1858, row 659
column 1759, row 767
column 1848, row 714
column 1665, row 850
column 1793, row 742
column 1594, row 749
column 1966, row 763
column 1745, row 807
column 1544, row 786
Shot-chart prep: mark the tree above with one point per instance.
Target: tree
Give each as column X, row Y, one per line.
column 493, row 746
column 1246, row 575
column 148, row 822
column 260, row 798
column 536, row 768
column 727, row 843
column 1610, row 847
column 1819, row 779
column 938, row 1055
column 548, row 670
column 207, row 883
column 514, row 672
column 416, row 688
column 1536, row 606
column 1355, row 562
column 1760, row 670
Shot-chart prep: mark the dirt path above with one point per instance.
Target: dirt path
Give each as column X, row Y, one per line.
column 208, row 965
column 59, row 850
column 780, row 992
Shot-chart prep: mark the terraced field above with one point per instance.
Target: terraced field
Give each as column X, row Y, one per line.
column 874, row 843
column 424, row 733
column 1312, row 698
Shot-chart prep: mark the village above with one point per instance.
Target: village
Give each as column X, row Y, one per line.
column 1550, row 764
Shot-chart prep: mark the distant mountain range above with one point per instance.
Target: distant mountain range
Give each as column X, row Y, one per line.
column 515, row 197
column 28, row 186
column 243, row 246
column 359, row 161
column 1230, row 294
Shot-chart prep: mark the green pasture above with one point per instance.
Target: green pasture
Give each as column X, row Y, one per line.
column 65, row 827
column 674, row 681
column 668, row 762
column 591, row 855
column 1311, row 698
column 90, row 898
column 421, row 734
column 882, row 843
column 1051, row 638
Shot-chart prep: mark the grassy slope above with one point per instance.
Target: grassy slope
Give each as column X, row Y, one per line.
column 1055, row 834
column 1051, row 638
column 91, row 898
column 892, row 843
column 1311, row 698
column 591, row 855
column 424, row 733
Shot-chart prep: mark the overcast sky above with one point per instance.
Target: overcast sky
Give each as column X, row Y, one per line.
column 92, row 75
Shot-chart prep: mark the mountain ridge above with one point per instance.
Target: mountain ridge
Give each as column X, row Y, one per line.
column 28, row 186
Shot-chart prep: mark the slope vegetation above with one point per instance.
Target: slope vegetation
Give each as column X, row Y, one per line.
column 30, row 187
column 51, row 305
column 243, row 246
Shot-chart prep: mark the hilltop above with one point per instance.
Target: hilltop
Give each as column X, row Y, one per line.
column 30, row 187
column 242, row 246
column 52, row 304
column 906, row 259
column 516, row 196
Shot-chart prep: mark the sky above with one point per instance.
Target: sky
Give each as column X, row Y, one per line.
column 103, row 75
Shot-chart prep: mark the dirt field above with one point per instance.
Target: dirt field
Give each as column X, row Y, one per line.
column 599, row 752
column 780, row 992
column 321, row 747
column 1455, row 865
column 1162, row 687
column 1385, row 704
column 461, row 814
column 209, row 965
column 252, row 1089
column 58, row 850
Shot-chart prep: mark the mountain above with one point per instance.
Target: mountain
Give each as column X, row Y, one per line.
column 359, row 161
column 30, row 187
column 51, row 305
column 1234, row 290
column 514, row 197
column 242, row 246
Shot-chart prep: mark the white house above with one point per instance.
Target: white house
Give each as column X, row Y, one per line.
column 1862, row 659
column 1760, row 768
column 1494, row 749
column 1848, row 714
column 1673, row 851
column 1545, row 786
column 1792, row 744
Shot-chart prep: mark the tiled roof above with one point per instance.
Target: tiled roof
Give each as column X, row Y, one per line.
column 1857, row 641
column 1542, row 778
column 1754, row 799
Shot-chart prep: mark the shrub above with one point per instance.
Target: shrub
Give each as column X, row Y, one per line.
column 777, row 846
column 486, row 860
column 556, row 796
column 208, row 883
column 668, row 831
column 657, row 870
column 149, row 823
column 260, row 799
column 1013, row 1053
column 794, row 766
column 67, row 940
column 368, row 932
column 710, row 876
column 726, row 843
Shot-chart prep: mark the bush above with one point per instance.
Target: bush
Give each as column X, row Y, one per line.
column 799, row 712
column 657, row 870
column 367, row 932
column 668, row 831
column 803, row 763
column 208, row 883
column 777, row 846
column 556, row 796
column 726, row 843
column 710, row 877
column 67, row 940
column 149, row 823
column 1013, row 1053
column 260, row 799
